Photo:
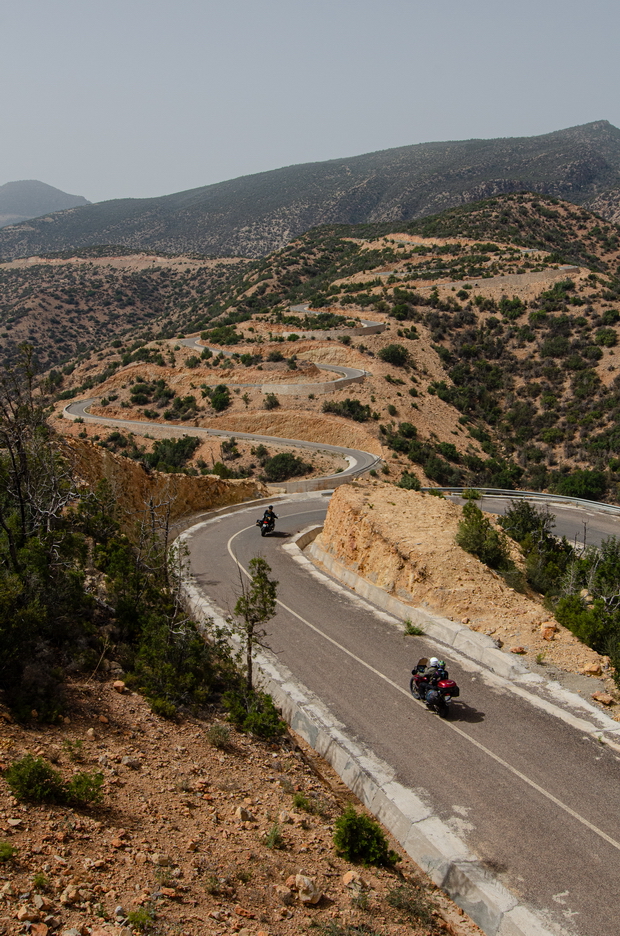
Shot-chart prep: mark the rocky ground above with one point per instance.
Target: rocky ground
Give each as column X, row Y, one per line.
column 191, row 837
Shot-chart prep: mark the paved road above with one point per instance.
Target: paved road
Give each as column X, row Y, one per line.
column 348, row 375
column 532, row 797
column 359, row 462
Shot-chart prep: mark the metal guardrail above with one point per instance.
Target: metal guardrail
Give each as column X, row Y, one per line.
column 529, row 495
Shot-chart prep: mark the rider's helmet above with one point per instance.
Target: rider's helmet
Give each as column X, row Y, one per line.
column 441, row 664
column 434, row 662
column 270, row 506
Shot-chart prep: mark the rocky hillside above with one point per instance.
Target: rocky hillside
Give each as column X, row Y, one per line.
column 64, row 307
column 497, row 364
column 256, row 214
column 20, row 201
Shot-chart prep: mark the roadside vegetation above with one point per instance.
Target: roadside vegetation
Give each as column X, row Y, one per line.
column 579, row 583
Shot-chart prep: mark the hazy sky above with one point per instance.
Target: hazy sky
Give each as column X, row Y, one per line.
column 117, row 98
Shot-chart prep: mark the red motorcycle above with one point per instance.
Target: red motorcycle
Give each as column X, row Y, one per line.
column 436, row 691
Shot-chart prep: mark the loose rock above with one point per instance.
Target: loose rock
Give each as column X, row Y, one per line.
column 307, row 890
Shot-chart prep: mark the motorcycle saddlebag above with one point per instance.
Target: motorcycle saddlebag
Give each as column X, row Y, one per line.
column 449, row 686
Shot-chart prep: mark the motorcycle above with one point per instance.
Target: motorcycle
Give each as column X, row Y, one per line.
column 266, row 526
column 437, row 695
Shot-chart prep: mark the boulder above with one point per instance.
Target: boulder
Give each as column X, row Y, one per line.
column 548, row 630
column 593, row 669
column 243, row 814
column 307, row 890
column 283, row 894
column 603, row 697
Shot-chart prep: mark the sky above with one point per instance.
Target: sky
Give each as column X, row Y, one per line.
column 136, row 98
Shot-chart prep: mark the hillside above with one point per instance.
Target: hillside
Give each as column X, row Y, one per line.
column 20, row 201
column 505, row 366
column 67, row 307
column 254, row 215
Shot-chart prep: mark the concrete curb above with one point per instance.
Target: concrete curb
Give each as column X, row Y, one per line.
column 478, row 647
column 423, row 836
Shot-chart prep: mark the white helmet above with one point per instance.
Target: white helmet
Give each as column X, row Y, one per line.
column 433, row 661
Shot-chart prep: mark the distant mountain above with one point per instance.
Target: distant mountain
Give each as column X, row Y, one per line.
column 253, row 215
column 20, row 201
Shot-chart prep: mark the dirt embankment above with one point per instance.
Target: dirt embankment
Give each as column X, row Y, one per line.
column 134, row 488
column 404, row 542
column 312, row 428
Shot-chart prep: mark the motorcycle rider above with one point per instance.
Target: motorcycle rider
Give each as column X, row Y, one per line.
column 270, row 516
column 434, row 671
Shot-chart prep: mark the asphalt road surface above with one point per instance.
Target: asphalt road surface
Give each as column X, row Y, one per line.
column 359, row 462
column 536, row 800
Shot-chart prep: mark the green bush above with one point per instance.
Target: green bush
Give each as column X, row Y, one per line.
column 219, row 736
column 358, row 838
column 33, row 780
column 409, row 481
column 7, row 851
column 270, row 401
column 254, row 713
column 477, row 536
column 85, row 788
column 351, row 409
column 220, row 398
column 395, row 354
column 284, row 465
column 590, row 485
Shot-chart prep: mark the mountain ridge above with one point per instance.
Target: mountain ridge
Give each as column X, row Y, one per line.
column 256, row 214
column 28, row 198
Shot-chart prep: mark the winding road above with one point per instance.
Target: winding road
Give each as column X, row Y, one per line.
column 514, row 774
column 532, row 795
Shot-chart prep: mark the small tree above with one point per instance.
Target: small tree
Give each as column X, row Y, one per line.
column 255, row 606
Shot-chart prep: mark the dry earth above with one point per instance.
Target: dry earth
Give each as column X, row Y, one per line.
column 183, row 834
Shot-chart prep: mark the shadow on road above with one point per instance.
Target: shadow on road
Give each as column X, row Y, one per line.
column 278, row 534
column 465, row 713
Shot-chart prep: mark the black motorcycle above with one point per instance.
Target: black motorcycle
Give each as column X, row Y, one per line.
column 266, row 525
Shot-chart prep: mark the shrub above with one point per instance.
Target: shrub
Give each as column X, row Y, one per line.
column 141, row 919
column 192, row 361
column 7, row 851
column 590, row 485
column 253, row 712
column 171, row 454
column 271, row 401
column 477, row 536
column 33, row 780
column 273, row 838
column 395, row 354
column 220, row 398
column 409, row 481
column 606, row 337
column 350, row 409
column 284, row 465
column 85, row 788
column 219, row 736
column 411, row 629
column 358, row 838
